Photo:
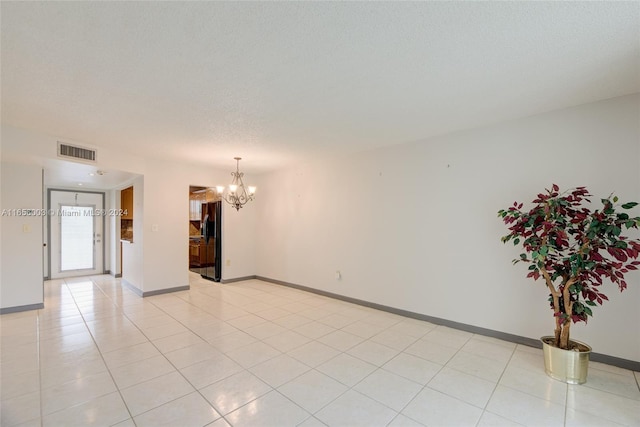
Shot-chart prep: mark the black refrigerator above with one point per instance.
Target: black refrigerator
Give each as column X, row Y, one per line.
column 212, row 236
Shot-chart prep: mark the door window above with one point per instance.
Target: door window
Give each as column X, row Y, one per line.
column 77, row 234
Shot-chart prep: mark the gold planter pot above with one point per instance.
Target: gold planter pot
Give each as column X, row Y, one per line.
column 569, row 366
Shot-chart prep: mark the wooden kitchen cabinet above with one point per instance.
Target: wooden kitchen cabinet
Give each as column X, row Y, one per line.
column 194, row 254
column 126, row 203
column 202, row 254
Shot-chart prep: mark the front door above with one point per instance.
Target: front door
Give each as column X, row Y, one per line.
column 77, row 233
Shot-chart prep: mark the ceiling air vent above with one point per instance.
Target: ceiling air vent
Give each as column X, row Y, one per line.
column 77, row 153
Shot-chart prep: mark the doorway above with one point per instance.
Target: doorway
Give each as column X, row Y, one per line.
column 205, row 233
column 76, row 233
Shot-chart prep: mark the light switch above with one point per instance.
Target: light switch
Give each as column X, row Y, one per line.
column 154, row 227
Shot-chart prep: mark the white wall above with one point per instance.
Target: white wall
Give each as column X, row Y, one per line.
column 21, row 260
column 238, row 238
column 415, row 226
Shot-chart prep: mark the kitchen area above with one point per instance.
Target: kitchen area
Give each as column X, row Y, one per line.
column 126, row 222
column 205, row 229
column 126, row 214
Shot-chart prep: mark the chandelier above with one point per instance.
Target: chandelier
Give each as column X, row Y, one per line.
column 237, row 195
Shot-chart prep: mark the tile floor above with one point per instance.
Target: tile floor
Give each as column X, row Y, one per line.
column 258, row 354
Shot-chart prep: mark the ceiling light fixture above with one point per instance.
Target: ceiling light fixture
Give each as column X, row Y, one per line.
column 236, row 194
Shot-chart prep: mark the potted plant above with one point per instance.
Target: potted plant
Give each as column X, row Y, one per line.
column 573, row 249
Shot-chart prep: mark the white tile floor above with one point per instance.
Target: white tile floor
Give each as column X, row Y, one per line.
column 258, row 354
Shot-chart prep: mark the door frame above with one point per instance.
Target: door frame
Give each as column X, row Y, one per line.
column 217, row 268
column 49, row 191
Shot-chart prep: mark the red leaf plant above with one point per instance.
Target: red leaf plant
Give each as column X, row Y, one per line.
column 573, row 248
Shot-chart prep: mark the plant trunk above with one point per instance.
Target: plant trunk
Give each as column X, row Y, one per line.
column 555, row 295
column 558, row 330
column 568, row 311
column 564, row 336
column 557, row 334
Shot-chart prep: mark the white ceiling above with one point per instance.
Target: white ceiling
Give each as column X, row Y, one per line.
column 278, row 82
column 62, row 173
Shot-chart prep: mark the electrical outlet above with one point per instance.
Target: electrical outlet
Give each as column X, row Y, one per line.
column 228, row 263
column 338, row 275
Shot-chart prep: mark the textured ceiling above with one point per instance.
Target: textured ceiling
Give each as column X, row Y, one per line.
column 277, row 82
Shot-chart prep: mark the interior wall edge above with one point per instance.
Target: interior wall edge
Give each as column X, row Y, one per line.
column 132, row 288
column 240, row 279
column 165, row 291
column 17, row 309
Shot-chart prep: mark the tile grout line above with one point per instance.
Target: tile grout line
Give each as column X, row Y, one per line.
column 419, row 391
column 314, row 368
column 95, row 343
column 273, row 389
column 351, row 388
column 124, row 314
column 222, row 416
column 506, row 366
column 538, row 397
column 426, row 385
column 311, row 415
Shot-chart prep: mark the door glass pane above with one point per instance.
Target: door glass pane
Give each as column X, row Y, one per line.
column 76, row 237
